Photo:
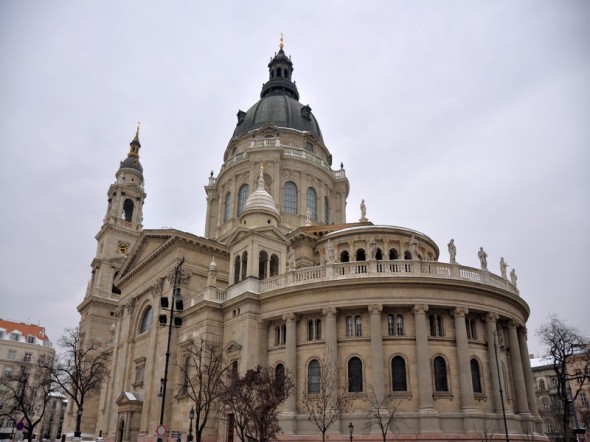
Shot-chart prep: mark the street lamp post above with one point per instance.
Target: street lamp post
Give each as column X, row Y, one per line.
column 350, row 430
column 78, row 433
column 174, row 322
column 191, row 416
column 500, row 384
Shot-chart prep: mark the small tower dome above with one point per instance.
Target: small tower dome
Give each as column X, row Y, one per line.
column 259, row 206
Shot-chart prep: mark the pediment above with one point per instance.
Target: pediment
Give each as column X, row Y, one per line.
column 233, row 347
column 148, row 243
column 268, row 232
column 128, row 398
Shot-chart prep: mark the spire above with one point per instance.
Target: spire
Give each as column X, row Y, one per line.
column 132, row 160
column 279, row 76
column 261, row 177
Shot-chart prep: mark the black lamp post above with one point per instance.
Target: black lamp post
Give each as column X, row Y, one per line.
column 191, row 416
column 350, row 430
column 78, row 433
column 500, row 384
column 174, row 322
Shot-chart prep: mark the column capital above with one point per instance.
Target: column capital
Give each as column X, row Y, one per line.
column 330, row 311
column 290, row 317
column 420, row 308
column 512, row 324
column 523, row 332
column 375, row 308
column 460, row 311
column 492, row 317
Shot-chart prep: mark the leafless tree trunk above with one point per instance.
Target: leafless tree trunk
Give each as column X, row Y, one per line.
column 382, row 415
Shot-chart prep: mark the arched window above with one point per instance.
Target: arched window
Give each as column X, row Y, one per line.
column 393, row 254
column 400, row 325
column 274, row 265
column 146, row 320
column 312, row 204
column 349, row 322
column 440, row 374
column 358, row 326
column 318, row 329
column 398, row 374
column 280, row 376
column 475, row 376
column 278, row 335
column 227, row 207
column 390, row 325
column 326, row 210
column 127, row 210
column 379, row 254
column 355, row 375
column 313, row 377
column 242, row 197
column 542, row 384
column 310, row 330
column 432, row 323
column 471, row 328
column 262, row 261
column 407, row 255
column 344, row 257
column 360, row 255
column 237, row 269
column 308, row 146
column 436, row 325
column 290, row 197
column 244, row 264
column 283, row 334
column 545, row 404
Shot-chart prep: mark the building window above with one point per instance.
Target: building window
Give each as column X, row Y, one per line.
column 280, row 376
column 146, row 320
column 313, row 377
column 549, row 426
column 185, row 375
column 127, row 214
column 274, row 265
column 361, row 255
column 30, row 339
column 290, row 197
column 436, row 325
column 262, row 261
column 440, row 374
column 349, row 322
column 308, row 146
column 398, row 374
column 355, row 375
column 237, row 270
column 542, row 384
column 400, row 325
column 283, row 334
column 15, row 336
column 11, row 355
column 358, row 326
column 312, row 204
column 227, row 207
column 310, row 330
column 583, row 398
column 471, row 328
column 545, row 404
column 278, row 335
column 314, row 329
column 318, row 329
column 244, row 264
column 390, row 325
column 344, row 257
column 326, row 210
column 139, row 370
column 28, row 357
column 242, row 197
column 476, row 376
column 393, row 254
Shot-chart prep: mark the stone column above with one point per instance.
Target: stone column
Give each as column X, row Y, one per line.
column 465, row 382
column 491, row 319
column 331, row 355
column 517, row 372
column 291, row 358
column 528, row 373
column 263, row 327
column 423, row 358
column 377, row 351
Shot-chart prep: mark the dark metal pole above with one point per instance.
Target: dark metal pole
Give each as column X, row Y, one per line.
column 170, row 324
column 500, row 384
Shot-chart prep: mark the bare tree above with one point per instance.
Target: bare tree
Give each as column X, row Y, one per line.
column 328, row 402
column 25, row 394
column 486, row 428
column 81, row 369
column 383, row 416
column 254, row 401
column 203, row 380
column 569, row 352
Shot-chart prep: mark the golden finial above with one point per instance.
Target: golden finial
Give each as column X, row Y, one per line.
column 282, row 44
column 137, row 131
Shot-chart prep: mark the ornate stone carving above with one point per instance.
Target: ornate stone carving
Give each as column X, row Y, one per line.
column 329, row 311
column 375, row 308
column 290, row 317
column 460, row 311
column 492, row 317
column 420, row 308
column 452, row 251
column 183, row 279
column 483, row 258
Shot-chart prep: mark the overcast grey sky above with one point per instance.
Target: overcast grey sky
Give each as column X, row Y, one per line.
column 460, row 119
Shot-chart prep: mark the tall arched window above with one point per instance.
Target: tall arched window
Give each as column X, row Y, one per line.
column 146, row 320
column 312, row 203
column 475, row 376
column 393, row 254
column 127, row 210
column 237, row 269
column 274, row 265
column 262, row 262
column 227, row 207
column 318, row 329
column 407, row 255
column 440, row 374
column 280, row 376
column 326, row 210
column 358, row 326
column 278, row 335
column 243, row 197
column 541, row 385
column 313, row 377
column 244, row 264
column 290, row 197
column 379, row 254
column 398, row 374
column 344, row 257
column 355, row 375
column 360, row 255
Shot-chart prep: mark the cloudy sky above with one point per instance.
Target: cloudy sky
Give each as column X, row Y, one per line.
column 460, row 119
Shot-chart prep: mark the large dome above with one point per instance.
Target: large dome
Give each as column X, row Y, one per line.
column 279, row 103
column 280, row 111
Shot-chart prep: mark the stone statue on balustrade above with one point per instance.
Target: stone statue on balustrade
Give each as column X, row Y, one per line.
column 414, row 247
column 372, row 248
column 330, row 252
column 503, row 267
column 452, row 251
column 513, row 277
column 363, row 212
column 291, row 258
column 483, row 258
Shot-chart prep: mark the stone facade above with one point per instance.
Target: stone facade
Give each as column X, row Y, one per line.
column 281, row 279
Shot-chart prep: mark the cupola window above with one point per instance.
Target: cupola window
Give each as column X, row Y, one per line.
column 127, row 214
column 243, row 197
column 262, row 263
column 398, row 374
column 440, row 374
column 227, row 207
column 290, row 198
column 312, row 205
column 355, row 375
column 475, row 376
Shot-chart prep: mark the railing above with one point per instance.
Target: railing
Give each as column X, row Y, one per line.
column 368, row 269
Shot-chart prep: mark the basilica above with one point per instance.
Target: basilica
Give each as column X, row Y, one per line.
column 281, row 279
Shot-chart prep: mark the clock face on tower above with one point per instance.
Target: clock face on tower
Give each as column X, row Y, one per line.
column 122, row 248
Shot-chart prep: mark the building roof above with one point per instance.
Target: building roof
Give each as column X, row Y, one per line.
column 24, row 329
